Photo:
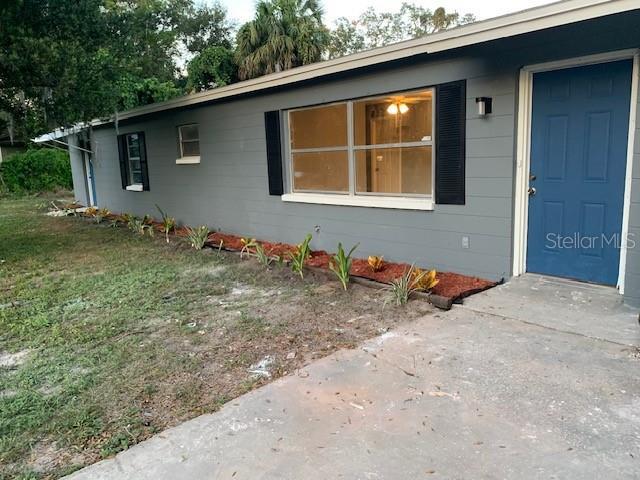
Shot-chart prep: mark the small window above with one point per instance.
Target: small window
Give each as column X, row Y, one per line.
column 189, row 140
column 133, row 154
column 133, row 161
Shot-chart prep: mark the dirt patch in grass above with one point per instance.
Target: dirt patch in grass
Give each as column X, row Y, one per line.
column 129, row 335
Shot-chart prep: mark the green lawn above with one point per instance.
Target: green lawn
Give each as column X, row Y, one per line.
column 107, row 337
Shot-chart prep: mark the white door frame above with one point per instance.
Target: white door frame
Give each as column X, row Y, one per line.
column 523, row 150
column 88, row 180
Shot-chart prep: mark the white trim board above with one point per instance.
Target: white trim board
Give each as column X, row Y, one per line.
column 523, row 150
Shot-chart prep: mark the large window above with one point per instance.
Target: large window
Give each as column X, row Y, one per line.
column 369, row 148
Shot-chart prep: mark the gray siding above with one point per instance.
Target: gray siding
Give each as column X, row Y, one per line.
column 228, row 190
column 632, row 279
column 77, row 172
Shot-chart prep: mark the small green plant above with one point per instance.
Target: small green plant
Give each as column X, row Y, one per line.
column 137, row 225
column 340, row 264
column 91, row 211
column 101, row 215
column 263, row 258
column 247, row 244
column 132, row 221
column 147, row 219
column 124, row 218
column 402, row 288
column 168, row 223
column 300, row 256
column 198, row 236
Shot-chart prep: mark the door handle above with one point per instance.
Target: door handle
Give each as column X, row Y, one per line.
column 532, row 191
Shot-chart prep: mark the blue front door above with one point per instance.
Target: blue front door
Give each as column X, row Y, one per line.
column 579, row 130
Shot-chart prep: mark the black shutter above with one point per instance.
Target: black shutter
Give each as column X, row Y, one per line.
column 274, row 152
column 124, row 164
column 143, row 162
column 450, row 143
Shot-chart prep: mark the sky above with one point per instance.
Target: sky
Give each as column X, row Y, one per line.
column 242, row 10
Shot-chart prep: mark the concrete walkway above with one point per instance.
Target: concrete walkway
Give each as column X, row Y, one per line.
column 469, row 393
column 591, row 310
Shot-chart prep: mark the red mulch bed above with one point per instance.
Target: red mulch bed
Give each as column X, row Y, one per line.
column 451, row 285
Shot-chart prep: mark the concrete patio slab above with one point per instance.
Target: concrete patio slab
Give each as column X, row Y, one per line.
column 461, row 394
column 592, row 310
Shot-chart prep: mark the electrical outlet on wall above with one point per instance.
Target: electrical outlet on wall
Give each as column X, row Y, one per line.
column 465, row 242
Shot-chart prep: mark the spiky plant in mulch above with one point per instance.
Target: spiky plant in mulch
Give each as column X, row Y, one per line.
column 300, row 255
column 340, row 264
column 197, row 237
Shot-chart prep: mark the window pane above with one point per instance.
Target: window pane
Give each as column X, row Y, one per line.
column 394, row 170
column 319, row 127
column 393, row 119
column 323, row 171
column 190, row 149
column 135, row 171
column 133, row 145
column 189, row 132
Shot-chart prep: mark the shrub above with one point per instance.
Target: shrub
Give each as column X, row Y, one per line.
column 168, row 223
column 375, row 262
column 262, row 256
column 37, row 170
column 138, row 226
column 197, row 237
column 300, row 256
column 402, row 288
column 425, row 280
column 247, row 245
column 340, row 264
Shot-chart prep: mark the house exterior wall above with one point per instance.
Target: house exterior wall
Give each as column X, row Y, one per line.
column 228, row 190
column 632, row 277
column 80, row 192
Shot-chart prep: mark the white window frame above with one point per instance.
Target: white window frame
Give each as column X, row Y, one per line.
column 189, row 159
column 351, row 197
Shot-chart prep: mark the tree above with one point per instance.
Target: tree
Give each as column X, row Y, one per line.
column 54, row 66
column 213, row 67
column 284, row 34
column 375, row 29
column 135, row 92
column 66, row 61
